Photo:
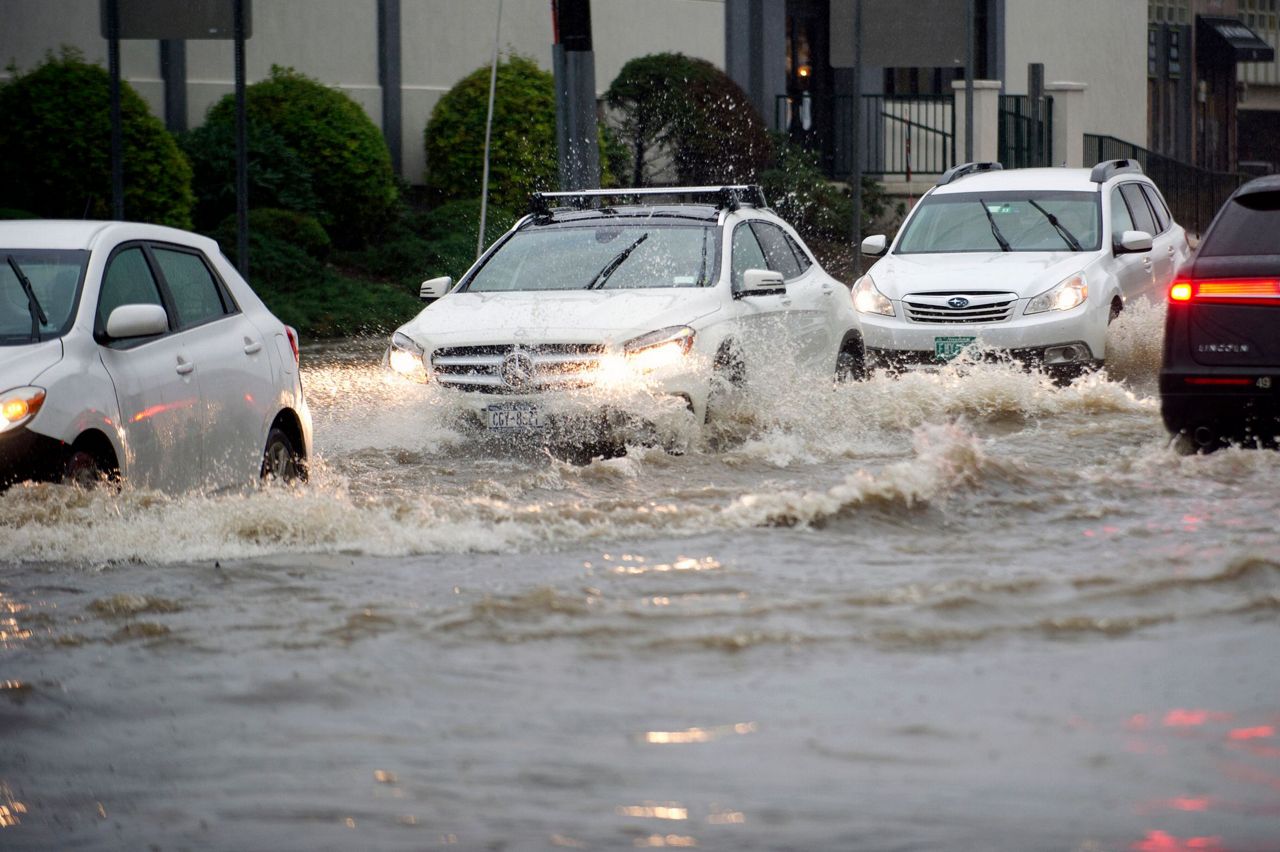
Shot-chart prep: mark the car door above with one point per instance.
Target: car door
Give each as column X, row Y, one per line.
column 808, row 292
column 1144, row 220
column 765, row 328
column 1132, row 270
column 161, row 415
column 1170, row 245
column 230, row 359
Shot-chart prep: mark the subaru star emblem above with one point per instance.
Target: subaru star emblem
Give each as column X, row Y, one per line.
column 517, row 370
column 958, row 302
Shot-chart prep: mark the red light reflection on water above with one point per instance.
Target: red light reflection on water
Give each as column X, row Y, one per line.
column 1162, row 841
column 1257, row 733
column 1193, row 718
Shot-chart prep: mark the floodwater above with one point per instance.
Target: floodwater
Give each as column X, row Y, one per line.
column 963, row 610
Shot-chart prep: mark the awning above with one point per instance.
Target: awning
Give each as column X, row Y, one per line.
column 1234, row 37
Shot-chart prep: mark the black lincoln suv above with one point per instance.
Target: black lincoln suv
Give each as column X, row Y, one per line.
column 1220, row 379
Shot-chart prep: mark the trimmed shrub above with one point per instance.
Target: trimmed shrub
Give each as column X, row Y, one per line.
column 279, row 178
column 298, row 230
column 55, row 147
column 682, row 120
column 303, row 128
column 522, row 156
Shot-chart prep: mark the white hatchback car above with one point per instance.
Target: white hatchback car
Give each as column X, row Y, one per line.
column 664, row 289
column 138, row 351
column 1032, row 261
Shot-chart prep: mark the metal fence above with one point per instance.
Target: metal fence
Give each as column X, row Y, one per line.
column 902, row 135
column 1025, row 131
column 1194, row 194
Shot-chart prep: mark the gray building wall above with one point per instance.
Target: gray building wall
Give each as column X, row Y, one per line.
column 336, row 42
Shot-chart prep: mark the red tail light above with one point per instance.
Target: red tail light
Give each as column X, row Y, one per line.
column 293, row 343
column 1246, row 291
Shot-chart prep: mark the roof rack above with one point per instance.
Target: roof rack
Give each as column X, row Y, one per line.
column 726, row 197
column 965, row 169
column 1108, row 169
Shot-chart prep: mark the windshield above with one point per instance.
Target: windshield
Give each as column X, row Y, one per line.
column 601, row 256
column 1005, row 221
column 55, row 278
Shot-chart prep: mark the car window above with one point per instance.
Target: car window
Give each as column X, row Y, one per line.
column 1163, row 219
column 128, row 281
column 777, row 251
column 1139, row 209
column 970, row 222
column 1247, row 225
column 802, row 257
column 1121, row 221
column 601, row 255
column 196, row 294
column 746, row 253
column 55, row 277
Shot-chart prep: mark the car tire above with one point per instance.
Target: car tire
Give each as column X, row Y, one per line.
column 83, row 470
column 851, row 364
column 281, row 461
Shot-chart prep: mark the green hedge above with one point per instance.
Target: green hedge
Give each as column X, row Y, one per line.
column 314, row 151
column 55, row 148
column 668, row 107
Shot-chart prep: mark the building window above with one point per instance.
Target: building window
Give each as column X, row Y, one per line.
column 1175, row 54
column 1171, row 11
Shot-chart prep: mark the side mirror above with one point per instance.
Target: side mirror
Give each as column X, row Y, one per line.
column 761, row 282
column 129, row 321
column 1133, row 242
column 875, row 246
column 435, row 288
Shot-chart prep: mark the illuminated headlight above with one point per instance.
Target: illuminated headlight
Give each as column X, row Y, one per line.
column 1063, row 296
column 868, row 300
column 19, row 405
column 405, row 356
column 659, row 349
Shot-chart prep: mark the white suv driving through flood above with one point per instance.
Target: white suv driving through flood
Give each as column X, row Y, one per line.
column 653, row 291
column 1036, row 262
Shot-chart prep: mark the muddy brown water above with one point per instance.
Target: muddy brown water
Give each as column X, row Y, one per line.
column 957, row 610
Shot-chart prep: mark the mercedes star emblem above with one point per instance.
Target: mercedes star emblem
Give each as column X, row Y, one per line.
column 517, row 370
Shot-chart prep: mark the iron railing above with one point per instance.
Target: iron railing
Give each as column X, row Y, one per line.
column 1194, row 194
column 1025, row 131
column 902, row 135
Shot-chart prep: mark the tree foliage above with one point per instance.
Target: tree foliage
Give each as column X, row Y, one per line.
column 682, row 120
column 55, row 147
column 523, row 144
column 313, row 150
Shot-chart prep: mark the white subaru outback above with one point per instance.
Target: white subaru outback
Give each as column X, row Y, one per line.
column 585, row 300
column 1036, row 262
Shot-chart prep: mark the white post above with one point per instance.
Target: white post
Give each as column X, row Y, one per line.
column 488, row 133
column 1068, row 123
column 986, row 118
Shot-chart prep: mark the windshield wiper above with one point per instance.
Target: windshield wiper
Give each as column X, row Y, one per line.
column 598, row 281
column 995, row 229
column 1066, row 235
column 38, row 317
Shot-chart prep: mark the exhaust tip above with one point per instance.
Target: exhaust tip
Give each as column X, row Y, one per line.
column 1203, row 436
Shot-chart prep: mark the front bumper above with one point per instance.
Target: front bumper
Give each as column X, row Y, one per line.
column 28, row 455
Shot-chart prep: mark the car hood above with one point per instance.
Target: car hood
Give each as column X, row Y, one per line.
column 1025, row 273
column 22, row 365
column 562, row 316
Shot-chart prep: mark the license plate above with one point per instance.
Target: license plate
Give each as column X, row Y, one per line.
column 514, row 415
column 947, row 348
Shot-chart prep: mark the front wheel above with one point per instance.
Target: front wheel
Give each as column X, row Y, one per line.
column 83, row 470
column 851, row 364
column 281, row 460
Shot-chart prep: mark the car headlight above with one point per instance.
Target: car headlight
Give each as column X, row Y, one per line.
column 405, row 356
column 868, row 300
column 1063, row 296
column 659, row 349
column 19, row 405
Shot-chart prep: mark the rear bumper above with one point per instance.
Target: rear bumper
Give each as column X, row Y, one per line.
column 29, row 455
column 1222, row 413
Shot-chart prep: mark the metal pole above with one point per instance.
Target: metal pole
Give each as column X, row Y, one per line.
column 855, row 139
column 488, row 135
column 968, row 81
column 242, row 150
column 117, row 131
